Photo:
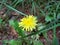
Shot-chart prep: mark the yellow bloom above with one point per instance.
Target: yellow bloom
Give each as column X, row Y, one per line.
column 28, row 23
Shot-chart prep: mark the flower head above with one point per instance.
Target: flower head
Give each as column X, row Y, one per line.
column 28, row 23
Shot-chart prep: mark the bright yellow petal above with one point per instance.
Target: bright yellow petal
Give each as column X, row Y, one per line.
column 28, row 23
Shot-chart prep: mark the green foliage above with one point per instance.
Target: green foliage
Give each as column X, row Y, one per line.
column 0, row 20
column 58, row 16
column 14, row 9
column 17, row 28
column 1, row 5
column 14, row 42
column 19, row 1
column 37, row 42
column 50, row 10
column 41, row 26
column 48, row 18
column 55, row 41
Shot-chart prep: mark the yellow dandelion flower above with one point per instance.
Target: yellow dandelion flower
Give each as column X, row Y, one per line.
column 28, row 23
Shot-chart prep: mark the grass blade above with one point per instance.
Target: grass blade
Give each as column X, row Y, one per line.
column 14, row 9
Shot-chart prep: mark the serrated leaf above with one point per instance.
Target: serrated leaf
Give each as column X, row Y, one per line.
column 16, row 27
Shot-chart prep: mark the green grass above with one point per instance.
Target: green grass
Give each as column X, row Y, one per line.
column 50, row 10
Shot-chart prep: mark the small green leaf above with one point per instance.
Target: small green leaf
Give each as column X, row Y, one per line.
column 37, row 42
column 41, row 26
column 48, row 18
column 12, row 42
column 15, row 42
column 11, row 22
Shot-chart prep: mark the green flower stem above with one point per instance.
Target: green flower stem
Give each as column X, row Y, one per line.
column 42, row 30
